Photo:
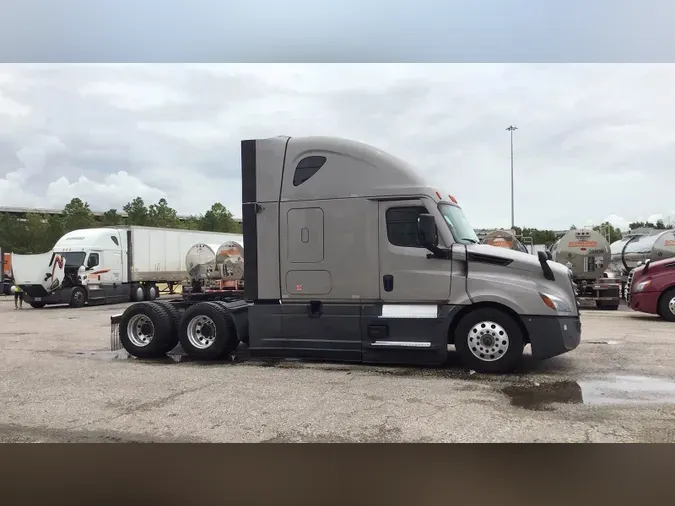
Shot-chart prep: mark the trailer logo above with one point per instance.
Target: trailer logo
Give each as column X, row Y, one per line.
column 582, row 244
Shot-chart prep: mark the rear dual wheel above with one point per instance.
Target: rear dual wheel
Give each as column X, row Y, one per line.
column 148, row 330
column 207, row 331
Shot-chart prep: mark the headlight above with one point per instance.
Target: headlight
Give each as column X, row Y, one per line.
column 556, row 303
column 641, row 286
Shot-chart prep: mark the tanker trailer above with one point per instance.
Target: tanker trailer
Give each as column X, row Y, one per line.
column 657, row 245
column 504, row 239
column 587, row 253
column 210, row 268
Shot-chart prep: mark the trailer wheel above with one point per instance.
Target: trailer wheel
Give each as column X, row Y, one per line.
column 78, row 297
column 207, row 331
column 146, row 330
column 173, row 312
column 150, row 292
column 37, row 305
column 489, row 340
column 667, row 305
column 137, row 293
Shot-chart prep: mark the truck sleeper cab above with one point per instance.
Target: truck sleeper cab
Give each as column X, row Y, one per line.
column 350, row 256
column 651, row 288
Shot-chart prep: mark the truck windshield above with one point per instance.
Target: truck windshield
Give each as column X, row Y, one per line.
column 73, row 258
column 461, row 229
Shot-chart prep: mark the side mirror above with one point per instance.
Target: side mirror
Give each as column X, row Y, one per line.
column 426, row 231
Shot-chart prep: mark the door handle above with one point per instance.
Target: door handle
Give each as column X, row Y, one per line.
column 388, row 282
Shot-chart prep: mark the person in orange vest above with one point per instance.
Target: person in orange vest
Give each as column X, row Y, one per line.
column 18, row 297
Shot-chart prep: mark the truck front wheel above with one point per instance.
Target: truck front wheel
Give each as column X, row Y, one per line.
column 207, row 332
column 78, row 297
column 667, row 305
column 489, row 340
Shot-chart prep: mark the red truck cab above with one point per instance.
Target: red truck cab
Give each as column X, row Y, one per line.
column 651, row 288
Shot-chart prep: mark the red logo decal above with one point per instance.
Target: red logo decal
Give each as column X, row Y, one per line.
column 298, row 288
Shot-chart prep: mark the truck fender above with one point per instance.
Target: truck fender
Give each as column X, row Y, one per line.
column 238, row 310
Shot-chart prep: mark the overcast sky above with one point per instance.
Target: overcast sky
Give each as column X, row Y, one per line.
column 594, row 141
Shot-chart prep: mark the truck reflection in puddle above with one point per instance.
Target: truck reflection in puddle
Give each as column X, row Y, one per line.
column 606, row 390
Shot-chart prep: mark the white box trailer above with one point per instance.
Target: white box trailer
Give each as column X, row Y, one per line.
column 115, row 264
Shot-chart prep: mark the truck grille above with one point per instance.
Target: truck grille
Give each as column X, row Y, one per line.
column 629, row 282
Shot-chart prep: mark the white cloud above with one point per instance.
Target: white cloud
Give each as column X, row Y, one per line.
column 592, row 140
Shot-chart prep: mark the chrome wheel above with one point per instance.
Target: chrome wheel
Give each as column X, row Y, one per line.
column 488, row 341
column 140, row 330
column 201, row 332
column 78, row 297
column 671, row 306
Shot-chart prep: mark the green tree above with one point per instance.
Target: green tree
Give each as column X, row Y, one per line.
column 76, row 214
column 161, row 215
column 219, row 219
column 614, row 233
column 137, row 212
column 111, row 218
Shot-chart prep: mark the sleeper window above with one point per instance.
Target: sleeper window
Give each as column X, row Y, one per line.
column 307, row 168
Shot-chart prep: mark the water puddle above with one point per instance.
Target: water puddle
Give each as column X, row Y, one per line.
column 608, row 390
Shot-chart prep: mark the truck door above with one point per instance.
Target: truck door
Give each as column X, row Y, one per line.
column 406, row 274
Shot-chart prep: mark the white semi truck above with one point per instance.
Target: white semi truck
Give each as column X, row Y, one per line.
column 108, row 264
column 351, row 256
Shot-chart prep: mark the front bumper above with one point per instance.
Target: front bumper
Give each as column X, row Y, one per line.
column 551, row 336
column 645, row 302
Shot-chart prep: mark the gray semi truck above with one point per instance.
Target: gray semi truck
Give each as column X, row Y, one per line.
column 351, row 256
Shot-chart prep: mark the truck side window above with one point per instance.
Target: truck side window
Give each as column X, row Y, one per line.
column 402, row 225
column 114, row 239
column 307, row 168
column 93, row 260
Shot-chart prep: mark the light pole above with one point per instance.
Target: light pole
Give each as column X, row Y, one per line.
column 510, row 129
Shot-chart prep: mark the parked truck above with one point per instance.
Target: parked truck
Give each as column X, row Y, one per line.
column 351, row 256
column 6, row 278
column 651, row 288
column 109, row 264
column 586, row 253
column 635, row 248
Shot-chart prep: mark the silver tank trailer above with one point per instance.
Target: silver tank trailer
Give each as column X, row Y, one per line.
column 230, row 261
column 504, row 239
column 200, row 261
column 587, row 254
column 640, row 245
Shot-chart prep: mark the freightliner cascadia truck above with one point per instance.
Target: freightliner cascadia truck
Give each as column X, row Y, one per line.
column 350, row 256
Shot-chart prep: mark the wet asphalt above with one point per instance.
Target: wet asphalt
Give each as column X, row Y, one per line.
column 60, row 383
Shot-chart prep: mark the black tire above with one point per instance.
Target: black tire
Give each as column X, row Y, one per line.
column 150, row 292
column 510, row 356
column 78, row 297
column 173, row 312
column 37, row 305
column 244, row 339
column 163, row 330
column 225, row 339
column 665, row 310
column 136, row 293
